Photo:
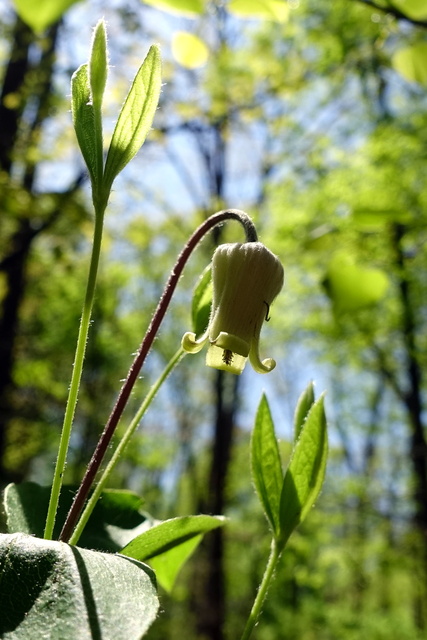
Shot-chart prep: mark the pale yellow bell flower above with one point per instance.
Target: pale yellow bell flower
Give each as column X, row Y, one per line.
column 246, row 279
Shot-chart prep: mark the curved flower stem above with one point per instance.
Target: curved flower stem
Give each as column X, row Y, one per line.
column 101, row 448
column 262, row 591
column 176, row 358
column 76, row 375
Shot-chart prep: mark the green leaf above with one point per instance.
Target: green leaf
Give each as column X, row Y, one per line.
column 43, row 13
column 52, row 590
column 84, row 120
column 266, row 466
column 169, row 534
column 276, row 10
column 415, row 9
column 351, row 286
column 304, row 404
column 189, row 50
column 305, row 474
column 411, row 63
column 116, row 519
column 98, row 64
column 166, row 546
column 136, row 116
column 190, row 8
column 202, row 302
column 168, row 565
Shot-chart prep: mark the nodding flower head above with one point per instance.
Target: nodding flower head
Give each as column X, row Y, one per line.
column 246, row 278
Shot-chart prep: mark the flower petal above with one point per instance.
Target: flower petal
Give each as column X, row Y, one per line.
column 260, row 366
column 191, row 344
column 225, row 360
column 231, row 343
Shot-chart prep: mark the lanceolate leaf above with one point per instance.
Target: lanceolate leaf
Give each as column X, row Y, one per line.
column 304, row 404
column 52, row 590
column 84, row 119
column 306, row 471
column 136, row 116
column 98, row 66
column 266, row 466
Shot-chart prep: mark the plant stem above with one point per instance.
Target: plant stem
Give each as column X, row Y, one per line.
column 102, row 446
column 262, row 591
column 76, row 376
column 122, row 445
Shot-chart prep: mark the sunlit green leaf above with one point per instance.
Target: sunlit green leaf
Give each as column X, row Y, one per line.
column 305, row 474
column 184, row 7
column 166, row 546
column 189, row 50
column 136, row 116
column 304, row 404
column 40, row 14
column 98, row 65
column 202, row 302
column 266, row 466
column 169, row 534
column 351, row 286
column 411, row 63
column 277, row 10
column 168, row 564
column 66, row 592
column 415, row 9
column 84, row 119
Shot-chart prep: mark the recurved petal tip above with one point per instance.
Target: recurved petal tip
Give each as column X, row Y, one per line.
column 191, row 344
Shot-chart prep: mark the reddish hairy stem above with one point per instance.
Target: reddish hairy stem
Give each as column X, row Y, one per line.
column 105, row 439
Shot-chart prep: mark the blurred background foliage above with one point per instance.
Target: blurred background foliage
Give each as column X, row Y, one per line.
column 311, row 116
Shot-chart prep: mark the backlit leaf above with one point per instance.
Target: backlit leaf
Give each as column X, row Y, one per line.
column 185, row 7
column 84, row 119
column 189, row 50
column 415, row 9
column 277, row 10
column 169, row 534
column 304, row 404
column 40, row 14
column 305, row 474
column 266, row 466
column 411, row 63
column 351, row 286
column 136, row 116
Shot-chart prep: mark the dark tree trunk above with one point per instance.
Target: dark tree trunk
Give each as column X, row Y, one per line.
column 21, row 83
column 412, row 398
column 210, row 597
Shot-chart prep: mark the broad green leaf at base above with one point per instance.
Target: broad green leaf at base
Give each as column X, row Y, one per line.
column 55, row 591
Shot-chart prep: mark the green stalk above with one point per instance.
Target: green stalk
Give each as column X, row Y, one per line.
column 262, row 591
column 122, row 445
column 76, row 376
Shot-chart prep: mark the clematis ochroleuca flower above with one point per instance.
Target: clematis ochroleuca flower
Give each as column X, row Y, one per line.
column 246, row 278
